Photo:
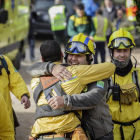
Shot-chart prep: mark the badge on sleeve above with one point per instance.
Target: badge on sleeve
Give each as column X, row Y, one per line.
column 100, row 84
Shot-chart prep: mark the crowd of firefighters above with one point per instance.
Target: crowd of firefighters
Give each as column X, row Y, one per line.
column 78, row 100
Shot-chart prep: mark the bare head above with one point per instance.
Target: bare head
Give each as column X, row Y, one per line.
column 58, row 2
column 108, row 3
column 79, row 9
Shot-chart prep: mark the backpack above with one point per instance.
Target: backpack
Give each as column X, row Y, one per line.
column 4, row 65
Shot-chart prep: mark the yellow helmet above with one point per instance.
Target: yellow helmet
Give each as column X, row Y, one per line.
column 121, row 39
column 80, row 44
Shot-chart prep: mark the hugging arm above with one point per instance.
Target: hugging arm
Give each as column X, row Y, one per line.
column 87, row 100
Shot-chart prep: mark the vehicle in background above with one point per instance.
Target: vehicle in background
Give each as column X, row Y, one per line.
column 14, row 26
column 40, row 14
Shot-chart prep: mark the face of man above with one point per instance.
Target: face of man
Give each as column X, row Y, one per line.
column 77, row 59
column 120, row 14
column 79, row 12
column 121, row 54
column 108, row 3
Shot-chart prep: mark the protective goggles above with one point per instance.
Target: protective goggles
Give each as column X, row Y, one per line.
column 79, row 47
column 125, row 41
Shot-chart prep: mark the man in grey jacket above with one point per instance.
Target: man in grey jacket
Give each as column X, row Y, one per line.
column 92, row 101
column 110, row 13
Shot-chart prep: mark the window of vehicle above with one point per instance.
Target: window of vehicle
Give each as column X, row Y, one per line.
column 43, row 4
column 23, row 2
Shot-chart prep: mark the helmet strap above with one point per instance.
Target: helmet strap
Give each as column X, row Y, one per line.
column 65, row 57
column 88, row 59
column 135, row 61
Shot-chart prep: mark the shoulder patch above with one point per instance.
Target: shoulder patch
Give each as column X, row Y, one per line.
column 100, row 84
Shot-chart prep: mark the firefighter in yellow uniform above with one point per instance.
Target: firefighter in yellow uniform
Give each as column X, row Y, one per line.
column 11, row 80
column 6, row 127
column 81, row 76
column 124, row 94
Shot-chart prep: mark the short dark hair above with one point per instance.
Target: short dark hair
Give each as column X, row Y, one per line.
column 79, row 6
column 50, row 51
column 120, row 8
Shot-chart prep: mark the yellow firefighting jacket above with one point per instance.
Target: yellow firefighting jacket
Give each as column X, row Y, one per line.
column 128, row 113
column 6, row 127
column 12, row 82
column 82, row 75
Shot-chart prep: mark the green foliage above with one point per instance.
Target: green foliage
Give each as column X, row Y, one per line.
column 137, row 2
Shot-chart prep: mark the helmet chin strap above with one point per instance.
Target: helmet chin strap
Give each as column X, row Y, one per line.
column 135, row 61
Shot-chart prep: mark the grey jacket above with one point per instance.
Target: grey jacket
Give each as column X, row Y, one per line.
column 110, row 16
column 93, row 103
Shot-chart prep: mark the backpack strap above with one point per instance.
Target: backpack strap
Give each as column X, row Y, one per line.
column 4, row 64
column 110, row 88
column 136, row 81
column 47, row 83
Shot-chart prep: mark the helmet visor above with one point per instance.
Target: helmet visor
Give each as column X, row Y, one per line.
column 81, row 48
column 125, row 41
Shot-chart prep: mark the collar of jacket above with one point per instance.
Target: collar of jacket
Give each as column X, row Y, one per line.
column 123, row 19
column 80, row 17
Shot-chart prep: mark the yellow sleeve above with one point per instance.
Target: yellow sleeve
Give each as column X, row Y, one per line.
column 6, row 127
column 17, row 85
column 92, row 73
column 34, row 83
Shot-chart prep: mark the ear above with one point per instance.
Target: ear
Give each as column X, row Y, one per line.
column 62, row 57
column 91, row 57
column 42, row 59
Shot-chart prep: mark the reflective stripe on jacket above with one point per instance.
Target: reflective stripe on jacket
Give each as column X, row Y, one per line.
column 130, row 10
column 128, row 113
column 57, row 17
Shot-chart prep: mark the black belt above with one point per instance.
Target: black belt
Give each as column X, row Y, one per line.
column 66, row 135
column 126, row 124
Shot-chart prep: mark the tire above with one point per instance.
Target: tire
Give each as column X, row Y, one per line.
column 17, row 60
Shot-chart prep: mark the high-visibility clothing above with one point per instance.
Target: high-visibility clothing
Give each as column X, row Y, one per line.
column 12, row 82
column 125, row 113
column 124, row 24
column 82, row 75
column 101, row 25
column 130, row 10
column 6, row 127
column 57, row 17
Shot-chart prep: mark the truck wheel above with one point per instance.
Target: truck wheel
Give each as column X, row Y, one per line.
column 16, row 62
